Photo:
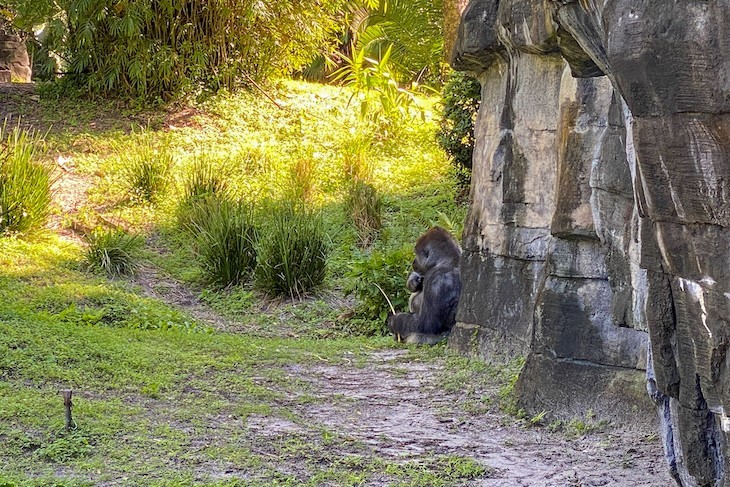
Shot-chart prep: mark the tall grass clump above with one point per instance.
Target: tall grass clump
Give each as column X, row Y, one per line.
column 203, row 180
column 25, row 183
column 357, row 164
column 146, row 170
column 303, row 179
column 113, row 251
column 363, row 205
column 225, row 238
column 292, row 258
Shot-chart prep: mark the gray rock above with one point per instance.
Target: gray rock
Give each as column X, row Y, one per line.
column 14, row 58
column 599, row 220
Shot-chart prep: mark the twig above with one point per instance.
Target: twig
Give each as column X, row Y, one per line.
column 261, row 90
column 386, row 297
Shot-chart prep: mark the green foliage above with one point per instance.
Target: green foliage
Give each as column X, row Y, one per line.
column 146, row 170
column 113, row 251
column 383, row 271
column 115, row 310
column 225, row 237
column 412, row 29
column 25, row 183
column 203, row 179
column 363, row 205
column 292, row 257
column 382, row 101
column 68, row 445
column 461, row 98
column 159, row 49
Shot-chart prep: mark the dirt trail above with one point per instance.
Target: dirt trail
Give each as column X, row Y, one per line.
column 404, row 416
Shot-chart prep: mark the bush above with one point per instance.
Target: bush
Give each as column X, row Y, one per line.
column 113, row 251
column 292, row 258
column 461, row 97
column 225, row 238
column 25, row 184
column 386, row 270
column 146, row 171
column 363, row 204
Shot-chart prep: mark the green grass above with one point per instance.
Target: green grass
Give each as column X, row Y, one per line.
column 160, row 397
column 113, row 251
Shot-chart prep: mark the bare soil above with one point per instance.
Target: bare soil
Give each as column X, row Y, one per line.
column 395, row 408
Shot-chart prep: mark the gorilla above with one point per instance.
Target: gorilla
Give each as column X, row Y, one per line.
column 436, row 284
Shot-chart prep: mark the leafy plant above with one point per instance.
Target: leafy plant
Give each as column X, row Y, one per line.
column 461, row 97
column 113, row 251
column 363, row 205
column 25, row 183
column 146, row 170
column 292, row 257
column 382, row 272
column 67, row 446
column 413, row 29
column 225, row 238
column 382, row 100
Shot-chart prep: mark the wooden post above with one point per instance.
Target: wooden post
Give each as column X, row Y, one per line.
column 68, row 404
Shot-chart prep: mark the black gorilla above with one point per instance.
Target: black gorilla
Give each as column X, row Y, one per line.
column 436, row 284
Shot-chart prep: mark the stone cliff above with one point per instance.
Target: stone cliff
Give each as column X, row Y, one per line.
column 597, row 243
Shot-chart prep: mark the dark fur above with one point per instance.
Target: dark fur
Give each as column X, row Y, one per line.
column 436, row 284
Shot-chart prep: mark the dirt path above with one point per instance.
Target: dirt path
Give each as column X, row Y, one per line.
column 395, row 408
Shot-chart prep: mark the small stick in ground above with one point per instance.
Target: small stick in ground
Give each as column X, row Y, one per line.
column 68, row 404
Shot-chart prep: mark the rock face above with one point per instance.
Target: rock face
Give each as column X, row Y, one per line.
column 599, row 227
column 14, row 61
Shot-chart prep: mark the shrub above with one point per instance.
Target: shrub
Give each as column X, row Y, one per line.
column 113, row 251
column 461, row 97
column 225, row 238
column 146, row 171
column 363, row 205
column 25, row 184
column 385, row 270
column 292, row 258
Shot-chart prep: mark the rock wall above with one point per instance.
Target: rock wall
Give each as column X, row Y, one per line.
column 598, row 230
column 14, row 60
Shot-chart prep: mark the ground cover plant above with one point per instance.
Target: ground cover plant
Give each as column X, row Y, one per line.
column 182, row 379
